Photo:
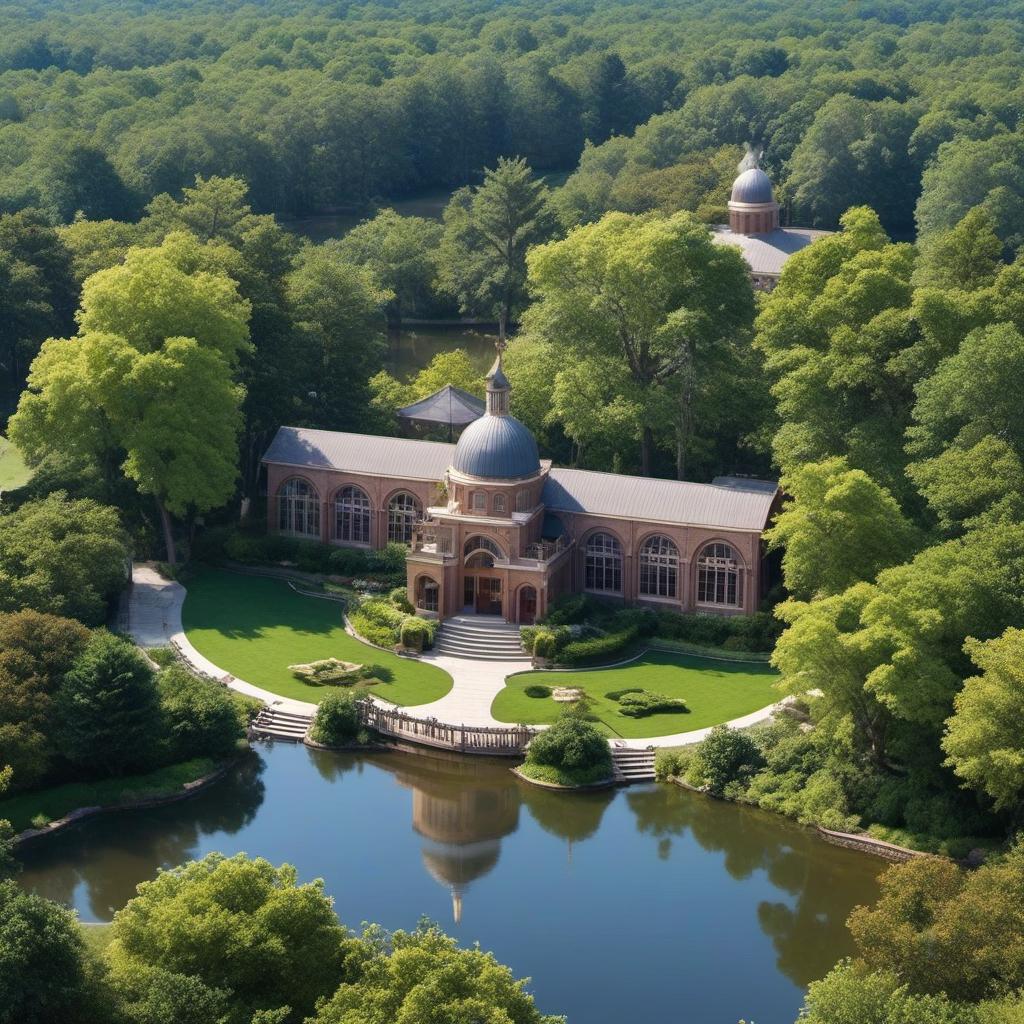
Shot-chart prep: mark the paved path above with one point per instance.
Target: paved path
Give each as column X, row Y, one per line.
column 154, row 620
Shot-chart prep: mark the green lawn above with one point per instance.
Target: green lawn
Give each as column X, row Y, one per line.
column 55, row 802
column 254, row 628
column 714, row 691
column 13, row 471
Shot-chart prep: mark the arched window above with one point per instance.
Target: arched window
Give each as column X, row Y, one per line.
column 523, row 500
column 352, row 516
column 498, row 503
column 602, row 564
column 478, row 501
column 659, row 567
column 719, row 581
column 478, row 543
column 298, row 508
column 426, row 594
column 403, row 511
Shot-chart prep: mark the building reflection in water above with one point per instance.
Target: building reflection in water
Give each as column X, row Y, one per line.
column 461, row 808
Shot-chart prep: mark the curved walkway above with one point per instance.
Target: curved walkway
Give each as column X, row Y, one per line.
column 154, row 620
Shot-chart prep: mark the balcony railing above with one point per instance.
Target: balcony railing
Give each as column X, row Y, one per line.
column 433, row 538
column 545, row 550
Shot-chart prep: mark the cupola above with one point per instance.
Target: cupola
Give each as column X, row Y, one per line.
column 752, row 206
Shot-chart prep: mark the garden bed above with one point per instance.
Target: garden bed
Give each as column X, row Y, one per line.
column 715, row 691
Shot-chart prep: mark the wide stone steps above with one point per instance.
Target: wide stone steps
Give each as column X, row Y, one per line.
column 273, row 723
column 482, row 638
column 629, row 765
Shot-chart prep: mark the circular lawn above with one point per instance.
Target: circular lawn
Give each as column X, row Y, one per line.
column 714, row 692
column 255, row 627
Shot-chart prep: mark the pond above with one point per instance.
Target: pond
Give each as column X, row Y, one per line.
column 412, row 348
column 646, row 899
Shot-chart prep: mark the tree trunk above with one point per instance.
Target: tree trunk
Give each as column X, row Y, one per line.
column 168, row 528
column 502, row 326
column 646, row 444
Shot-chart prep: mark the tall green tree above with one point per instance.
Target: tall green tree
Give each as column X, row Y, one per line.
column 338, row 313
column 234, row 931
column 650, row 307
column 838, row 528
column 108, row 709
column 487, row 232
column 401, row 253
column 148, row 380
column 62, row 556
column 983, row 738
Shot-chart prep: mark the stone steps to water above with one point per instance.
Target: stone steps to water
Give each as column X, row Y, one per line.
column 274, row 723
column 482, row 638
column 631, row 765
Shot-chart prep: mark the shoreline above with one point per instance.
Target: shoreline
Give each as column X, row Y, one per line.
column 187, row 790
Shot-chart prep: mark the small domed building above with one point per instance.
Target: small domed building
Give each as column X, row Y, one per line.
column 494, row 530
column 754, row 226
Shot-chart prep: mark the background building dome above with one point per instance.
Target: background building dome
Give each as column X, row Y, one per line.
column 496, row 448
column 752, row 186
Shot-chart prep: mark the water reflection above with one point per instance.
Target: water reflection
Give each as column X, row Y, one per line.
column 106, row 857
column 806, row 931
column 538, row 876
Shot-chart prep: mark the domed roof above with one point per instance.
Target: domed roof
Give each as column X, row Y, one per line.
column 497, row 448
column 752, row 186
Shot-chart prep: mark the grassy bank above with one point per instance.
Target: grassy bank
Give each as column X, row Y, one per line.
column 255, row 627
column 55, row 802
column 714, row 691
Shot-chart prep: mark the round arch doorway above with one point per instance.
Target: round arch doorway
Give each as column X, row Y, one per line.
column 481, row 587
column 527, row 605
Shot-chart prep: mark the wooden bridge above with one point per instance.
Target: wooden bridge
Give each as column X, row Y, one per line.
column 495, row 741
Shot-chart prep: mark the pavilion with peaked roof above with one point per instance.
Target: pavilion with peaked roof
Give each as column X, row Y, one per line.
column 449, row 406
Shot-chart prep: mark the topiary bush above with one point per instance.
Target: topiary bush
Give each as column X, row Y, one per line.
column 337, row 719
column 642, row 704
column 417, row 634
column 536, row 690
column 330, row 672
column 574, row 749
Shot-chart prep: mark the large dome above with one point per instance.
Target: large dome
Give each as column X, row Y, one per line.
column 752, row 186
column 496, row 448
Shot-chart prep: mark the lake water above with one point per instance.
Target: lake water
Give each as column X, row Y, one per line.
column 412, row 348
column 649, row 903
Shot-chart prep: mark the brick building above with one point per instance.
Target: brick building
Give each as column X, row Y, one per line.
column 492, row 529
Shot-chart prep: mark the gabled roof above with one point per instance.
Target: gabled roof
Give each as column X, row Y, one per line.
column 731, row 503
column 450, row 405
column 360, row 453
column 767, row 253
column 659, row 501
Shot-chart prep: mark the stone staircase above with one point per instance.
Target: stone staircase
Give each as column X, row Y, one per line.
column 484, row 637
column 629, row 765
column 273, row 723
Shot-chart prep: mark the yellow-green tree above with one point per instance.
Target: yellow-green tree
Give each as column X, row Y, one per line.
column 149, row 380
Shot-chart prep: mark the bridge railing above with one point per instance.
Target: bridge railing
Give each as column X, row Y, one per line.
column 497, row 741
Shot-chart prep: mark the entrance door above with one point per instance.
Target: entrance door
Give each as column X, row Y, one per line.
column 488, row 595
column 527, row 605
column 469, row 592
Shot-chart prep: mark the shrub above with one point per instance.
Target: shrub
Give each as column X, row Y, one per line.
column 400, row 599
column 617, row 694
column 416, row 633
column 527, row 636
column 599, row 647
column 536, row 690
column 671, row 761
column 209, row 545
column 337, row 719
column 163, row 656
column 199, row 717
column 726, row 756
column 378, row 621
column 329, row 672
column 642, row 704
column 573, row 746
column 40, row 820
column 389, row 561
column 735, row 632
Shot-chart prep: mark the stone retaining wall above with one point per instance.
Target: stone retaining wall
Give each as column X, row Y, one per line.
column 868, row 844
